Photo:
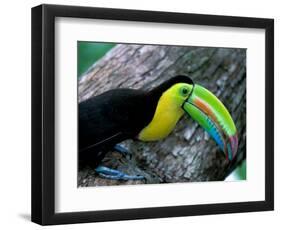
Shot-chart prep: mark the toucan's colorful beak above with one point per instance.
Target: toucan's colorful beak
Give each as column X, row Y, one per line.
column 205, row 108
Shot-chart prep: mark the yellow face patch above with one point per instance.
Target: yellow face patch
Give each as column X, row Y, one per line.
column 167, row 114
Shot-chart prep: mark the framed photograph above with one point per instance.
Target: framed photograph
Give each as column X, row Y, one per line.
column 141, row 114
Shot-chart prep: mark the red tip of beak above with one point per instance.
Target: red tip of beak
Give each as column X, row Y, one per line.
column 232, row 147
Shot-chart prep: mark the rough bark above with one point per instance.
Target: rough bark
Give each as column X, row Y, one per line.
column 188, row 154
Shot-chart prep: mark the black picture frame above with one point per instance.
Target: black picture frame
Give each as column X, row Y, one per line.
column 43, row 110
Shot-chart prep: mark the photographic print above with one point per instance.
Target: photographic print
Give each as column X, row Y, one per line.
column 158, row 105
column 151, row 114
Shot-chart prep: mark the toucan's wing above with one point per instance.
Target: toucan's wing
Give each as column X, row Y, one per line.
column 114, row 139
column 111, row 117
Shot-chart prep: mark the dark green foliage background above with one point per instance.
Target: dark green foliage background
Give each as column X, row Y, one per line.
column 89, row 53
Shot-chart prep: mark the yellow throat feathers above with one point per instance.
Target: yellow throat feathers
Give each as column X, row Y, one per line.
column 165, row 118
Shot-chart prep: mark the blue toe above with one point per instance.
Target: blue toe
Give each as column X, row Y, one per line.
column 113, row 174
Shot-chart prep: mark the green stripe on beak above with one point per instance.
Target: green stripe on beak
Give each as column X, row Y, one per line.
column 205, row 108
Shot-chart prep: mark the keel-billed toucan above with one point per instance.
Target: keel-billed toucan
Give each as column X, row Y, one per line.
column 149, row 115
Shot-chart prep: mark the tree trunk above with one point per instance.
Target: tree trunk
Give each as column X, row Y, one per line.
column 188, row 154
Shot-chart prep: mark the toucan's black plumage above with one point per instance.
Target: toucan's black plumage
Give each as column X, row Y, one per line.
column 115, row 116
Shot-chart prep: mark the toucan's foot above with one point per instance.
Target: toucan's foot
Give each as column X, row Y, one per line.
column 113, row 174
column 120, row 149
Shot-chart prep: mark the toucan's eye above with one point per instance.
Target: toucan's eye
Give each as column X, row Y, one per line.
column 184, row 91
